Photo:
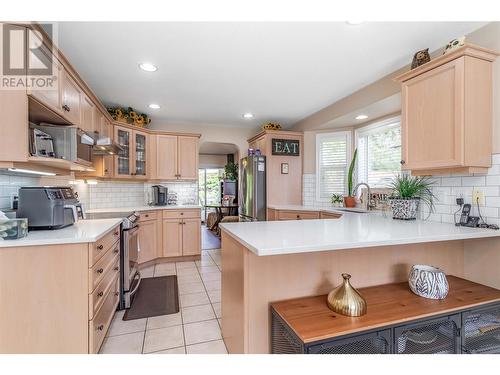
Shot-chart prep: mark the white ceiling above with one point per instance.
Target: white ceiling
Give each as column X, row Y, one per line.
column 214, row 72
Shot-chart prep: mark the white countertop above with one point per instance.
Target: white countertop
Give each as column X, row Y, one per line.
column 143, row 208
column 81, row 232
column 352, row 230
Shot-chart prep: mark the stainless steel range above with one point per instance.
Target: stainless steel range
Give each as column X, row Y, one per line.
column 130, row 277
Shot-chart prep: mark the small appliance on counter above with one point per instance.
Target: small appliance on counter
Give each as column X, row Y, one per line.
column 49, row 207
column 160, row 195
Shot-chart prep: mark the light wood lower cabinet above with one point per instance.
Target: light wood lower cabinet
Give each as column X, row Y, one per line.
column 273, row 214
column 149, row 239
column 59, row 300
column 191, row 237
column 169, row 234
column 172, row 235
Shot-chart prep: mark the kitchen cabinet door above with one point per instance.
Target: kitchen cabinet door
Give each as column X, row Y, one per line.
column 191, row 237
column 71, row 98
column 51, row 97
column 433, row 118
column 148, row 244
column 123, row 161
column 172, row 238
column 187, row 158
column 166, row 157
column 140, row 154
column 89, row 115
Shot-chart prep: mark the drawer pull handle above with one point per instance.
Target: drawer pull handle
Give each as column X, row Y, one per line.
column 117, row 268
column 100, row 270
column 100, row 247
column 100, row 327
column 116, row 251
column 100, row 294
column 182, row 213
column 117, row 293
column 146, row 215
column 116, row 233
column 66, row 108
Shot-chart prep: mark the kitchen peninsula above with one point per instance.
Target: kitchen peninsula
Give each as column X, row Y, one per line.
column 265, row 262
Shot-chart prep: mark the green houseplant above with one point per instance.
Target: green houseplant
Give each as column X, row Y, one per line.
column 337, row 200
column 231, row 171
column 349, row 200
column 407, row 193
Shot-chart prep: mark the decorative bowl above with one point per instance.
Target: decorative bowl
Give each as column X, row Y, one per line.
column 428, row 281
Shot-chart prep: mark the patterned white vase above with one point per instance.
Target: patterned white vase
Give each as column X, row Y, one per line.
column 404, row 208
column 428, row 282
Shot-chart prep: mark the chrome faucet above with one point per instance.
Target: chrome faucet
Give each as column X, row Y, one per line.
column 369, row 205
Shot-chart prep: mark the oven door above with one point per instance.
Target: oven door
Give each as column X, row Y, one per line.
column 131, row 276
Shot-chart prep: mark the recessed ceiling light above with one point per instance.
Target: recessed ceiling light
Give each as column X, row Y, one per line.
column 248, row 115
column 154, row 106
column 354, row 22
column 148, row 67
column 361, row 117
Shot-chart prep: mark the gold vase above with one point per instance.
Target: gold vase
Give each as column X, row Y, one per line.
column 346, row 300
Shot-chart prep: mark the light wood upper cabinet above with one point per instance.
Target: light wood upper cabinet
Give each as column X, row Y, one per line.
column 172, row 235
column 71, row 98
column 166, row 157
column 176, row 157
column 187, row 158
column 447, row 113
column 132, row 162
column 89, row 115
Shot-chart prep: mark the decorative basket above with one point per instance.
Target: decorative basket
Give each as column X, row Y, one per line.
column 404, row 208
column 428, row 282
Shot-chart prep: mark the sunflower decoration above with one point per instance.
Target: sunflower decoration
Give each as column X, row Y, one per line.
column 118, row 114
column 128, row 115
column 271, row 126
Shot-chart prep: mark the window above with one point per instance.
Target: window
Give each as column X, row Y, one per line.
column 333, row 155
column 379, row 152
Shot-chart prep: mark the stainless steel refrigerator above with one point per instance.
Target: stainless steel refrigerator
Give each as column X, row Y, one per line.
column 253, row 188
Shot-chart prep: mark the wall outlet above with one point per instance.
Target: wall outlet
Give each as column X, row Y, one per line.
column 477, row 197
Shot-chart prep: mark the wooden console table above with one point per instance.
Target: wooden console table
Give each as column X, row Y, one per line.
column 397, row 321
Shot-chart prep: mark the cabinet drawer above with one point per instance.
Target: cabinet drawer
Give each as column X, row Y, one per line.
column 330, row 215
column 148, row 215
column 100, row 247
column 297, row 215
column 100, row 324
column 180, row 214
column 96, row 298
column 103, row 266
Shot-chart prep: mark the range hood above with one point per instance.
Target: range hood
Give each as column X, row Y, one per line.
column 105, row 146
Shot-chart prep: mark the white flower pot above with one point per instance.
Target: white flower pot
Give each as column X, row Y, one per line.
column 404, row 208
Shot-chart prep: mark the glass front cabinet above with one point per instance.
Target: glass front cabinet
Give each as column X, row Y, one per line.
column 131, row 162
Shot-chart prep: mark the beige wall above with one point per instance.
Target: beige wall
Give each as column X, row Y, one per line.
column 212, row 161
column 214, row 133
column 376, row 95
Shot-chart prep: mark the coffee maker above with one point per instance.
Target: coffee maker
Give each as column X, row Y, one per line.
column 160, row 195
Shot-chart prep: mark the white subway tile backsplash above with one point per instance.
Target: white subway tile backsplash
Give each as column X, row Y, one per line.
column 473, row 181
column 446, row 189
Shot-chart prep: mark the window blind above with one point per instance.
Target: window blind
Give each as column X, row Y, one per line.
column 379, row 153
column 333, row 154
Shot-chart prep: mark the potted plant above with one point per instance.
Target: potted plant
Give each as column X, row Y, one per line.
column 337, row 200
column 231, row 171
column 407, row 193
column 350, row 201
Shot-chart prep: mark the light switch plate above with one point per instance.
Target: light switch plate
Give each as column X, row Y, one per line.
column 477, row 194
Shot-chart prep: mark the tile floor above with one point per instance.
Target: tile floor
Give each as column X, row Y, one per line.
column 194, row 330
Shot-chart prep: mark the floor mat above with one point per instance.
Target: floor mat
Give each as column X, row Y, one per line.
column 156, row 296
